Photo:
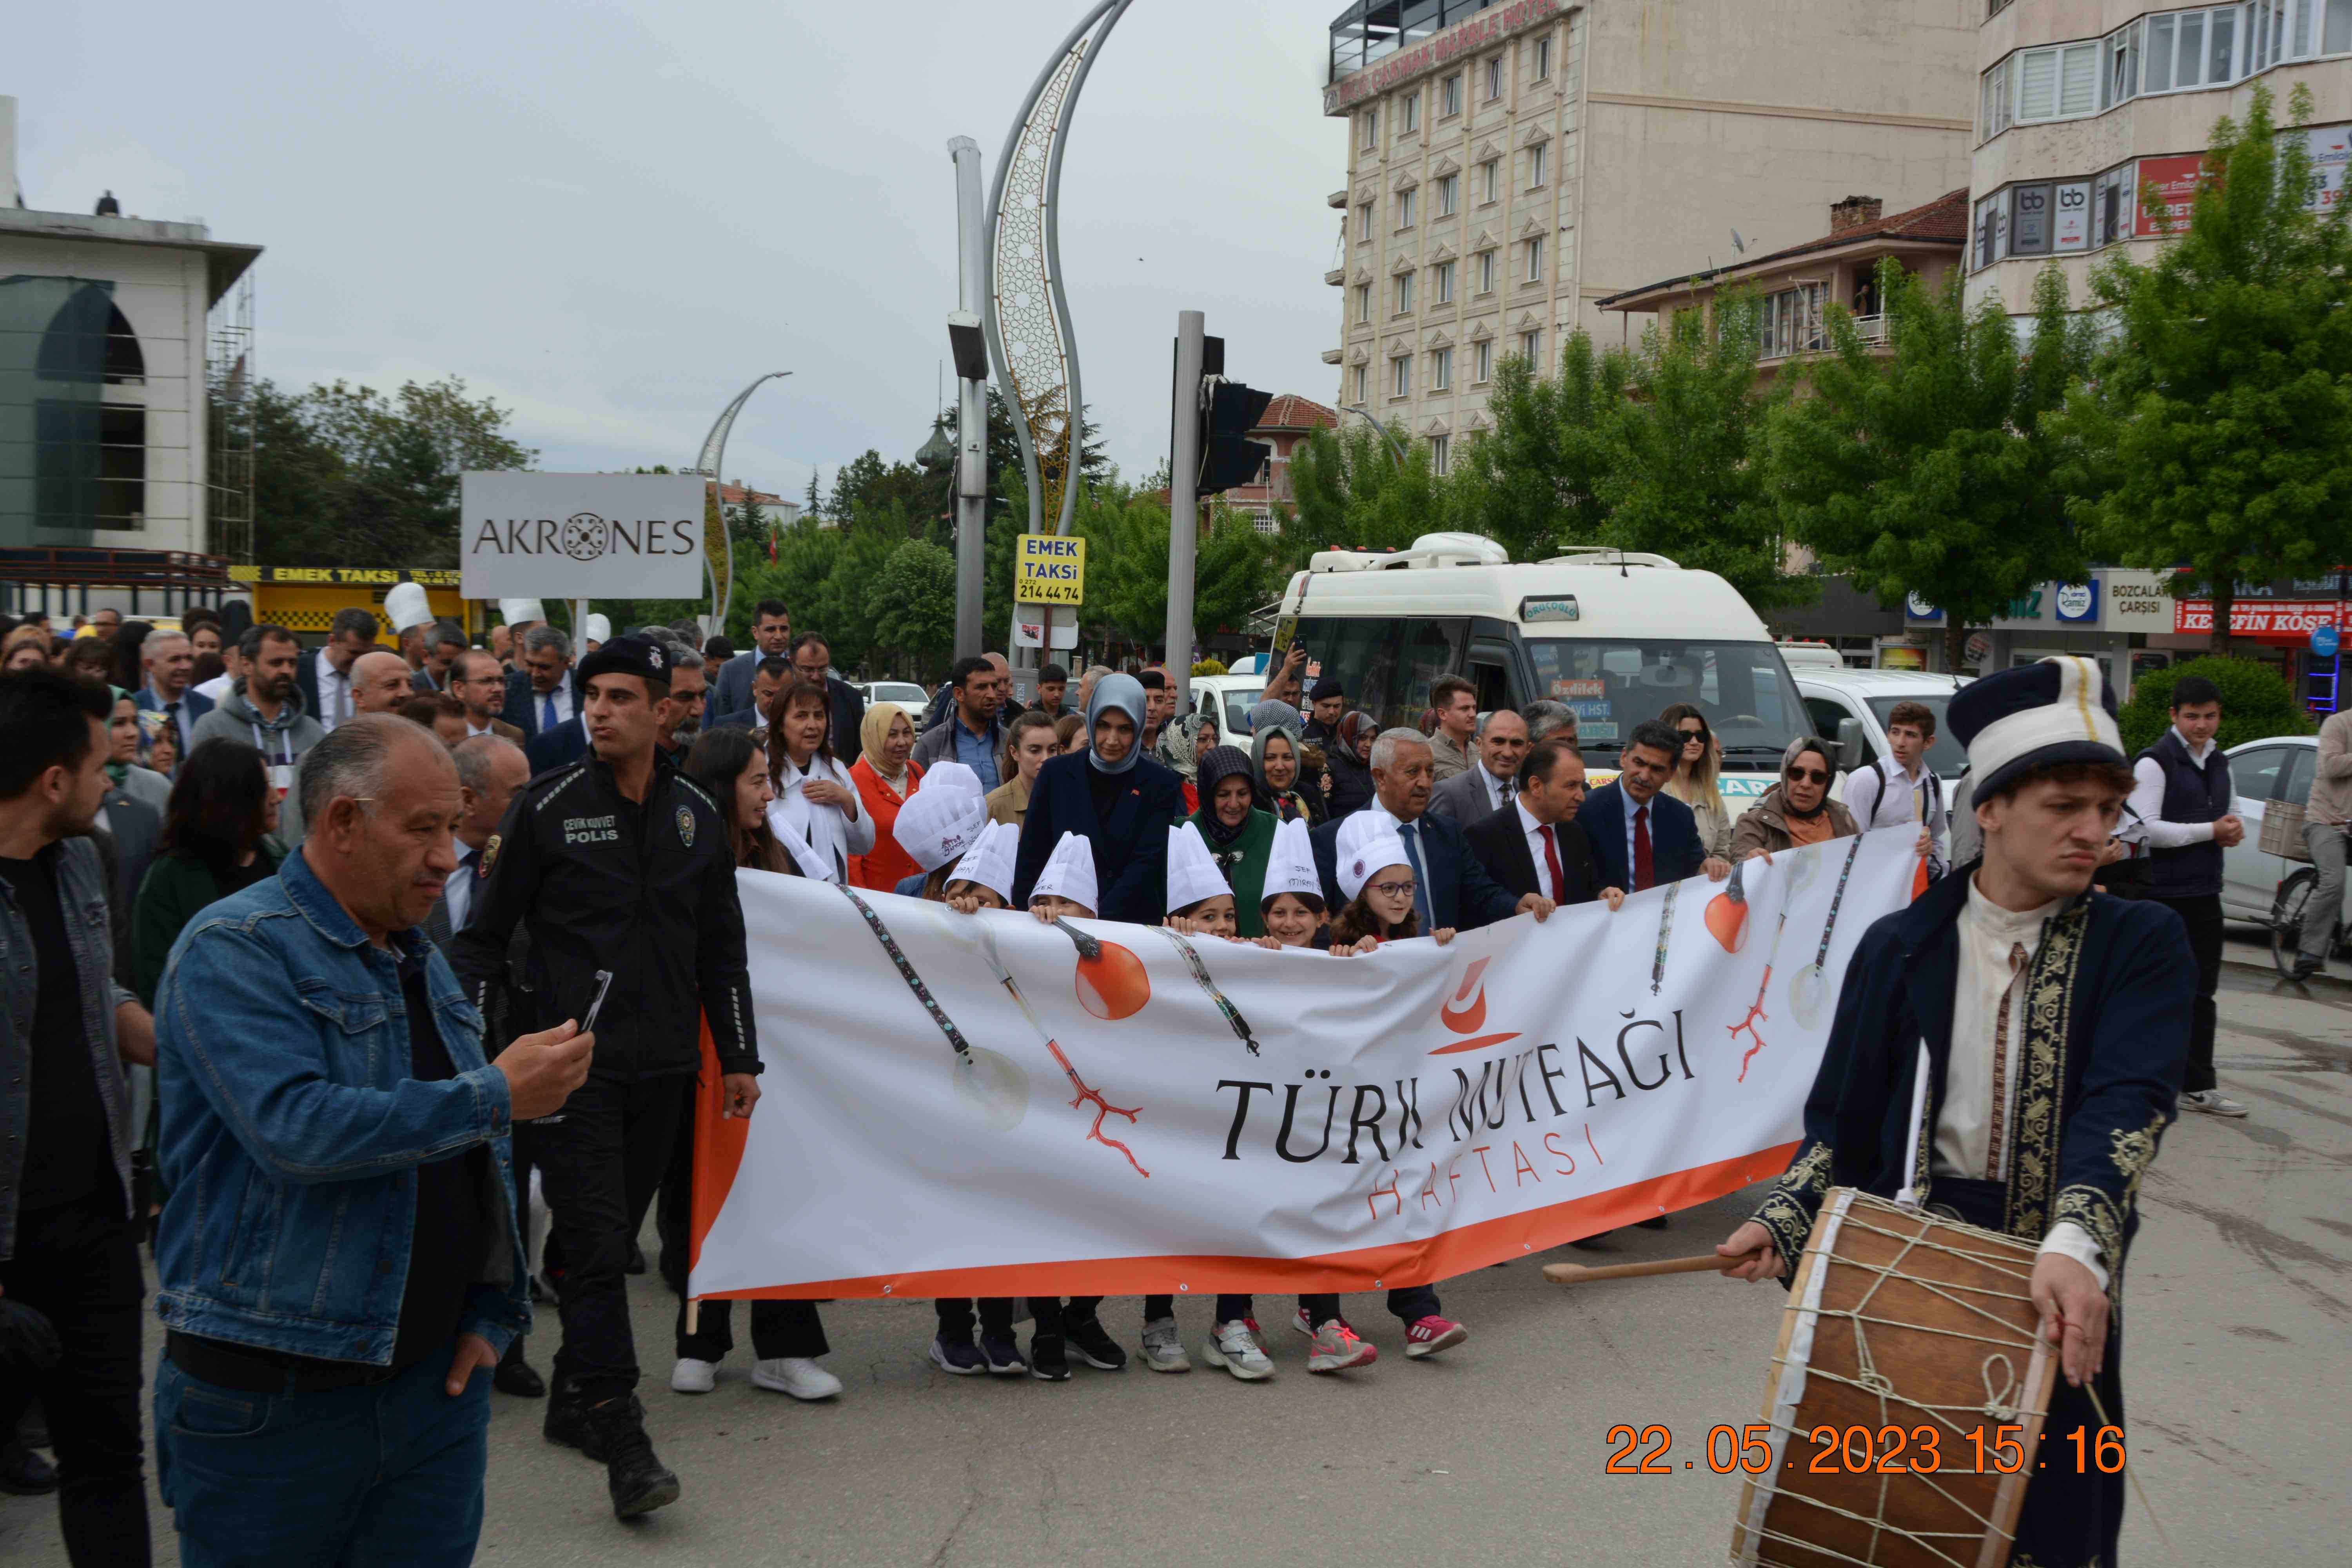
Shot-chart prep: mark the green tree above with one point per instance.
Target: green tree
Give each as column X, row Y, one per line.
column 1535, row 482
column 2256, row 701
column 1353, row 490
column 1932, row 470
column 2216, row 428
column 911, row 605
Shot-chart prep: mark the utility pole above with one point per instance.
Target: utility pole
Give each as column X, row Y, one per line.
column 1183, row 494
column 970, row 345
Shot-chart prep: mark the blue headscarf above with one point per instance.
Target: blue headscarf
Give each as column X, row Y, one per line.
column 1125, row 693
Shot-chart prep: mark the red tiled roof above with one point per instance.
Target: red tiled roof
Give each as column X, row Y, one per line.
column 1944, row 220
column 1292, row 412
column 732, row 495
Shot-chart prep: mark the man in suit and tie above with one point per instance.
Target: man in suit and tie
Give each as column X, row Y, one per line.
column 166, row 658
column 542, row 695
column 1533, row 845
column 1451, row 889
column 1642, row 836
column 1469, row 798
column 769, row 678
column 771, row 638
column 490, row 770
column 477, row 680
column 325, row 677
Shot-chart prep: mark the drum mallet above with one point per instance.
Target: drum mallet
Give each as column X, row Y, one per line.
column 1705, row 1263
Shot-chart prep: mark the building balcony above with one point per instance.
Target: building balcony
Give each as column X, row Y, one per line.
column 1337, row 276
column 1337, row 199
column 1331, row 356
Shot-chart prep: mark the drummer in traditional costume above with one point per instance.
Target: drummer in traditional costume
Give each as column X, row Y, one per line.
column 2051, row 1023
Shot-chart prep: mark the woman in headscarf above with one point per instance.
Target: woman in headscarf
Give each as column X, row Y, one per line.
column 1240, row 837
column 1696, row 771
column 1798, row 810
column 1121, row 801
column 1181, row 746
column 1350, row 764
column 1276, row 764
column 884, row 775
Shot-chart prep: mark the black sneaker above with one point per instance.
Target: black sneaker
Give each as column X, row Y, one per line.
column 514, row 1375
column 1095, row 1348
column 638, row 1481
column 577, row 1422
column 1657, row 1222
column 24, row 1473
column 1047, row 1362
column 1004, row 1355
column 958, row 1357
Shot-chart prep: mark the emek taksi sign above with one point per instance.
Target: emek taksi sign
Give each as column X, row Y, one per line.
column 581, row 536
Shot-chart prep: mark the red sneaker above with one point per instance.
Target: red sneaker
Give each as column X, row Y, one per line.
column 1429, row 1335
column 1336, row 1348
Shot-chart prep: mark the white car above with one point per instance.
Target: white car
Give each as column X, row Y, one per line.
column 1232, row 696
column 2271, row 890
column 905, row 694
column 1863, row 698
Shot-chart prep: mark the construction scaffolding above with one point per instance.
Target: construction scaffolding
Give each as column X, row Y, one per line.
column 229, row 409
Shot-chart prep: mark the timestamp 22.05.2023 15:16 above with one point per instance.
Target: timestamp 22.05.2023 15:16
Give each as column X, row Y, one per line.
column 1894, row 1450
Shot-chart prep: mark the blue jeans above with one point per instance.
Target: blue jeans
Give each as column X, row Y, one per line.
column 345, row 1477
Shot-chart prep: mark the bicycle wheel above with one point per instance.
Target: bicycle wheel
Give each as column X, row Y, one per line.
column 2286, row 918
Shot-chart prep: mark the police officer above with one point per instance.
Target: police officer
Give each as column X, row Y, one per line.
column 616, row 862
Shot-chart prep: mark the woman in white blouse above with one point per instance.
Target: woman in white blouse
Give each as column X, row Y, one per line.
column 816, row 798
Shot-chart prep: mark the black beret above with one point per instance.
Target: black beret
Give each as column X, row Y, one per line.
column 627, row 655
column 1325, row 689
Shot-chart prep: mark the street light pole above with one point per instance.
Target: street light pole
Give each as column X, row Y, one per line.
column 712, row 459
column 966, row 335
column 1183, row 494
column 1394, row 444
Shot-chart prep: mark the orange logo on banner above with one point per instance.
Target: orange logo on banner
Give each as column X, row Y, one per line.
column 1466, row 1020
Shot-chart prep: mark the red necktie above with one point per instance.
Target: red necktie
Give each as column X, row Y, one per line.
column 1645, row 867
column 1552, row 864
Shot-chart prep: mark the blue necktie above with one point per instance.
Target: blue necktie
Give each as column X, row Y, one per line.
column 1411, row 833
column 547, row 720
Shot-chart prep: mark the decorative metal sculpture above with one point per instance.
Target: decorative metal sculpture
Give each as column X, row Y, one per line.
column 1028, row 320
column 718, row 560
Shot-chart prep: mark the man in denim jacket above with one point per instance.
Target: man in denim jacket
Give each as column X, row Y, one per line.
column 68, row 1239
column 341, row 1263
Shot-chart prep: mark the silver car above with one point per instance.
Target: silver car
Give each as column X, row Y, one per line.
column 2271, row 890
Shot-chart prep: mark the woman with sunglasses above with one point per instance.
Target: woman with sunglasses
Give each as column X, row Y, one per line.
column 1698, row 767
column 1797, row 811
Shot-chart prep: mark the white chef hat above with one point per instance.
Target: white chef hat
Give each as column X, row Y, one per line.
column 1192, row 874
column 516, row 611
column 936, row 825
column 952, row 778
column 1359, row 828
column 989, row 863
column 599, row 628
column 1380, row 850
column 1070, row 873
column 1290, row 868
column 405, row 605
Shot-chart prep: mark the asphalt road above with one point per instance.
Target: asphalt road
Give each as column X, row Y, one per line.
column 2239, row 1306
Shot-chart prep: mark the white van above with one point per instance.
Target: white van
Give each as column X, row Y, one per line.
column 1617, row 636
column 1861, row 698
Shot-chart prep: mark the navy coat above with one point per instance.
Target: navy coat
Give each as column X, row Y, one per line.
column 1461, row 894
column 1130, row 844
column 1676, row 851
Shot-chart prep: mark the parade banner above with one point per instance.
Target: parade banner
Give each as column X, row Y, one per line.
column 987, row 1105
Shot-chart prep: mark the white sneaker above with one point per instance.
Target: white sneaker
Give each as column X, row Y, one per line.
column 692, row 1376
column 1163, row 1348
column 2211, row 1101
column 796, row 1376
column 1234, row 1346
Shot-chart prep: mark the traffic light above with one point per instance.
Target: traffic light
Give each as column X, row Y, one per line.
column 1230, row 412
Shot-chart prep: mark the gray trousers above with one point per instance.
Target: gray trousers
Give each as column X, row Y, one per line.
column 2326, row 844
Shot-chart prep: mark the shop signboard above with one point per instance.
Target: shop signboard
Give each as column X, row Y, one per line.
column 2291, row 620
column 2176, row 181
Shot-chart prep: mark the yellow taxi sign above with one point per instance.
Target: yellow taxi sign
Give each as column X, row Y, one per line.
column 1050, row 569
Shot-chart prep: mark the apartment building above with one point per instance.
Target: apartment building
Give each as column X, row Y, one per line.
column 2082, row 102
column 1512, row 163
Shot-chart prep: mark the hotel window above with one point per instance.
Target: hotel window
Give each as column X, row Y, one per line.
column 1403, row 292
column 1363, row 303
column 1536, row 164
column 1450, row 95
column 1361, row 382
column 1482, row 364
column 1534, row 259
column 1485, row 272
column 1400, row 377
column 1449, row 190
column 1531, row 347
column 1440, row 454
column 1441, row 370
column 1412, row 114
column 1369, row 130
column 2057, row 83
column 1407, row 201
column 1364, row 221
column 1494, row 79
column 1490, row 179
column 1444, row 275
column 1543, row 59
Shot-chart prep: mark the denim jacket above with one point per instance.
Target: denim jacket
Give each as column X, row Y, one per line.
column 81, row 896
column 292, row 1128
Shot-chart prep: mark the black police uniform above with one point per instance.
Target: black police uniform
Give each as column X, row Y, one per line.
column 647, row 891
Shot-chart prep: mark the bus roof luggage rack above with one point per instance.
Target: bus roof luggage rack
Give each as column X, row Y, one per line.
column 1608, row 555
column 1428, row 549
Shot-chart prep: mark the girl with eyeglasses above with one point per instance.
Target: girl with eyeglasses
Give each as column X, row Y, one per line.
column 1378, row 883
column 1798, row 810
column 1699, row 768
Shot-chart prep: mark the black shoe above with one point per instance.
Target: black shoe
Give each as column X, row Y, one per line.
column 1592, row 1243
column 638, row 1481
column 33, row 1427
column 514, row 1375
column 1002, row 1355
column 576, row 1421
column 1658, row 1223
column 1095, row 1347
column 27, row 1474
column 637, row 1266
column 1047, row 1362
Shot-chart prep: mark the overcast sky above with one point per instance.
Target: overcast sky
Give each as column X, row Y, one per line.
column 611, row 218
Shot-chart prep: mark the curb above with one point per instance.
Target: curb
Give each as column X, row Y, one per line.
column 2270, row 971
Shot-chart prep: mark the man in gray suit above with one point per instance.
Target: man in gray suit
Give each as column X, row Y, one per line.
column 1469, row 798
column 771, row 637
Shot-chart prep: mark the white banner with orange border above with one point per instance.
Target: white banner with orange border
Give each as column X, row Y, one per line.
column 991, row 1105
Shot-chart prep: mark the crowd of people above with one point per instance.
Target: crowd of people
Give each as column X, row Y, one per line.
column 345, row 995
